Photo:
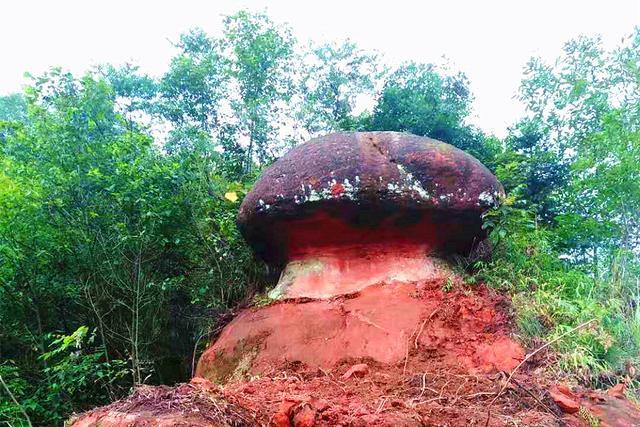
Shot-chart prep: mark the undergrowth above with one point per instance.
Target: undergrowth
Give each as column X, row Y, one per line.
column 551, row 294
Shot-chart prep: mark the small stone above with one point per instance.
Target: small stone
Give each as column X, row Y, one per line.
column 566, row 390
column 287, row 405
column 617, row 390
column 280, row 419
column 305, row 417
column 398, row 404
column 359, row 370
column 565, row 399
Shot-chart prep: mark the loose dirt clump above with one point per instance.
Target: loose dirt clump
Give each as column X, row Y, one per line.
column 426, row 392
column 195, row 404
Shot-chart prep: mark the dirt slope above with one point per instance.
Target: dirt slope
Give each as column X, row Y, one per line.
column 450, row 367
column 468, row 327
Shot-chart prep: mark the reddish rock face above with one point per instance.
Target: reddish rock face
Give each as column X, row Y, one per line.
column 359, row 222
column 349, row 210
column 565, row 399
column 382, row 323
column 367, row 187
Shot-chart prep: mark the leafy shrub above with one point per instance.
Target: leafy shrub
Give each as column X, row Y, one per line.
column 551, row 296
column 75, row 376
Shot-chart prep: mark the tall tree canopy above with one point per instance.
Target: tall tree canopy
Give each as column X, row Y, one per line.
column 423, row 100
column 334, row 78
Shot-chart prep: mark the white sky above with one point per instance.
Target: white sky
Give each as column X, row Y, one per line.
column 489, row 40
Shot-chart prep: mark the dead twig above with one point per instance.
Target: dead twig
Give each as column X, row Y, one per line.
column 482, row 393
column 417, row 335
column 15, row 401
column 406, row 358
column 332, row 379
column 432, row 400
column 424, row 384
column 444, row 387
column 464, row 396
column 422, row 390
column 541, row 403
column 526, row 359
column 457, row 396
column 424, row 323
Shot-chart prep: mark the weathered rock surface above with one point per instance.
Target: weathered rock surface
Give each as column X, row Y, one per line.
column 381, row 323
column 325, row 272
column 348, row 210
column 367, row 180
column 565, row 399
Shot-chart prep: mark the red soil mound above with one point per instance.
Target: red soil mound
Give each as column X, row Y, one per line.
column 439, row 374
column 384, row 323
column 424, row 393
column 185, row 405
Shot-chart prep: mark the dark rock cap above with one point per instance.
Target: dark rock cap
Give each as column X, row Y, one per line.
column 359, row 187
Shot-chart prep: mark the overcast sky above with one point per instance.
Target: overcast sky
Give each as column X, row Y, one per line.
column 488, row 40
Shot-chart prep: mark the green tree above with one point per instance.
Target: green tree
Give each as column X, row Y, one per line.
column 335, row 78
column 100, row 228
column 582, row 145
column 573, row 162
column 261, row 57
column 135, row 93
column 193, row 88
column 423, row 100
column 13, row 108
column 529, row 171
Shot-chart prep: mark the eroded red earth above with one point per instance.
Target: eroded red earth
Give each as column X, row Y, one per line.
column 382, row 323
column 431, row 358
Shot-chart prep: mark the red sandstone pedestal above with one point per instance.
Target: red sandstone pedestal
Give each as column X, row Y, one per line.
column 381, row 323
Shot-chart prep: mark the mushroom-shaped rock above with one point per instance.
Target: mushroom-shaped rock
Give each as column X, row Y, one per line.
column 348, row 210
column 359, row 222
